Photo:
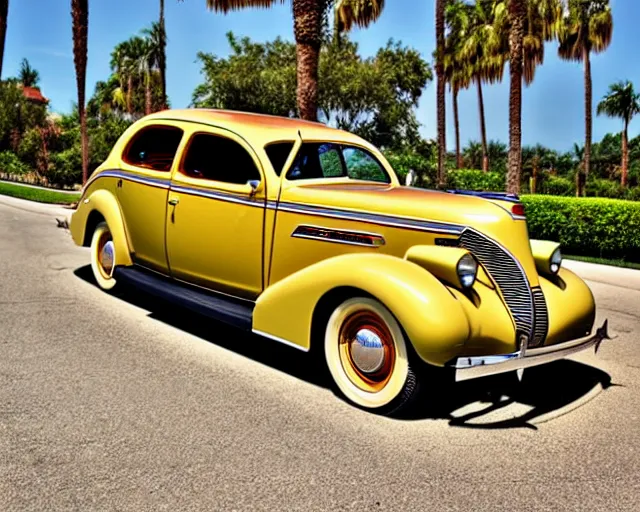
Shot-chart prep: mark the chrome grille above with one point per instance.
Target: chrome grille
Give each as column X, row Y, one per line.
column 541, row 318
column 507, row 274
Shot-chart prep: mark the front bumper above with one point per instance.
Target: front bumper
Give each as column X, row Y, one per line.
column 480, row 366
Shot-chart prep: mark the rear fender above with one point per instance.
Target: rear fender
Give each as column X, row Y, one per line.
column 433, row 319
column 104, row 203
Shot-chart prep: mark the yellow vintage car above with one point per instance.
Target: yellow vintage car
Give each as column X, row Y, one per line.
column 303, row 234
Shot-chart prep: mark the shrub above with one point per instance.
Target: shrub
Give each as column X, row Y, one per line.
column 11, row 164
column 605, row 188
column 607, row 228
column 558, row 186
column 473, row 179
column 66, row 167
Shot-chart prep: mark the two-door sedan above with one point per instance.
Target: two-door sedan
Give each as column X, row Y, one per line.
column 302, row 234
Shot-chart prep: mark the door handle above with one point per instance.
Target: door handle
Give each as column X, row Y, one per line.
column 174, row 201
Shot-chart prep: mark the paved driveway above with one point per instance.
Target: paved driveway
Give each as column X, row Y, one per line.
column 120, row 403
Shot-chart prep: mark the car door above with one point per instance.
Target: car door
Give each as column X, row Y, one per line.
column 216, row 213
column 142, row 188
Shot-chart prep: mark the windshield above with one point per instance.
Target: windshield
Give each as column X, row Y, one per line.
column 331, row 160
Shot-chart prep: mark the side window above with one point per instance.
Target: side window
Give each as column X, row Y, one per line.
column 216, row 158
column 153, row 148
column 363, row 166
column 278, row 152
column 317, row 161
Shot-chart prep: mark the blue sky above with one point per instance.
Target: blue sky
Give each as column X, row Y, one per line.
column 40, row 30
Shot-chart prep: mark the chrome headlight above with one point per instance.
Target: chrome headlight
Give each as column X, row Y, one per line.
column 555, row 261
column 467, row 270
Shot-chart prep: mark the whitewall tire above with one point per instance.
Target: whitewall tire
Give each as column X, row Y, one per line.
column 367, row 356
column 103, row 257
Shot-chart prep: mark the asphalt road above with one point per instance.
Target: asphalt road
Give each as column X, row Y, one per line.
column 121, row 403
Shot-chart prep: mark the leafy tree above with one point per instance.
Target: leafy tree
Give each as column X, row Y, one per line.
column 587, row 27
column 28, row 76
column 17, row 115
column 374, row 97
column 621, row 101
column 309, row 17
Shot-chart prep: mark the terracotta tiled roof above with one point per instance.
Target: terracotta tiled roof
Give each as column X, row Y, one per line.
column 33, row 94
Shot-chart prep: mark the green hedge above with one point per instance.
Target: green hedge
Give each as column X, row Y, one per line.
column 605, row 228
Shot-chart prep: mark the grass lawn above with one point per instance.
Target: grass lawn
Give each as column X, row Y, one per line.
column 37, row 194
column 603, row 261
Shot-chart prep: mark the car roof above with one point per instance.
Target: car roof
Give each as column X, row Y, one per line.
column 261, row 128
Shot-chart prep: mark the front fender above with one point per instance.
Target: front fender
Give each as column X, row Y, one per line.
column 432, row 317
column 571, row 306
column 103, row 202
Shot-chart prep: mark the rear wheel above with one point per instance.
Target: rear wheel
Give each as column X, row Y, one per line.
column 367, row 356
column 103, row 257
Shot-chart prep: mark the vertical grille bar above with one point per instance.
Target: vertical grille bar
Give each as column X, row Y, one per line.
column 541, row 318
column 509, row 276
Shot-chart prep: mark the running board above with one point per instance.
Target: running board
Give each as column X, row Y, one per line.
column 219, row 307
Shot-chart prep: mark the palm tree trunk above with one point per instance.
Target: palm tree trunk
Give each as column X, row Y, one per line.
column 307, row 28
column 456, row 122
column 441, row 91
column 4, row 11
column 129, row 93
column 483, row 127
column 516, row 36
column 588, row 93
column 147, row 93
column 162, row 64
column 625, row 154
column 80, row 17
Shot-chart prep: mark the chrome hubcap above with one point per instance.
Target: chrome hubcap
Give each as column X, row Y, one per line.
column 107, row 256
column 367, row 351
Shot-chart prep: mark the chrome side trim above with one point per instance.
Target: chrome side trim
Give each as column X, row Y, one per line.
column 480, row 366
column 130, row 176
column 325, row 234
column 280, row 340
column 215, row 194
column 372, row 218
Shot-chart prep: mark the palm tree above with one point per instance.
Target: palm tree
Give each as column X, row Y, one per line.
column 308, row 18
column 587, row 27
column 80, row 17
column 362, row 13
column 621, row 101
column 482, row 50
column 4, row 11
column 456, row 70
column 28, row 76
column 162, row 56
column 441, row 85
column 147, row 62
column 517, row 10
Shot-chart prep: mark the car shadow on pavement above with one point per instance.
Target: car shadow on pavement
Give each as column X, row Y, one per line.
column 497, row 402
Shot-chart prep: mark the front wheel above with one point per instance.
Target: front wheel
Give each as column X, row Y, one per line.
column 103, row 257
column 367, row 356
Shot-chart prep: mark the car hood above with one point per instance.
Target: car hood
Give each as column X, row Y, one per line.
column 489, row 217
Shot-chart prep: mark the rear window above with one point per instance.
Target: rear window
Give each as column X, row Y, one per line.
column 153, row 148
column 278, row 152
